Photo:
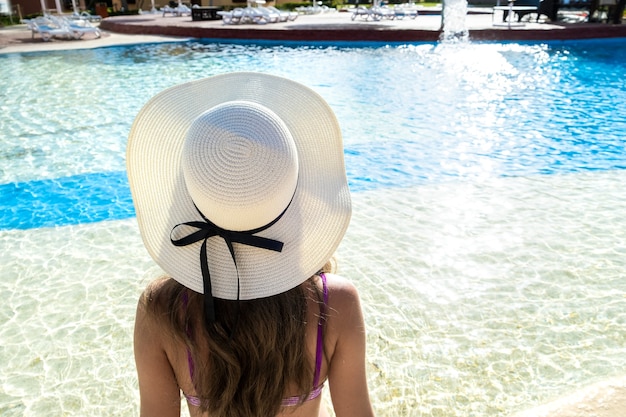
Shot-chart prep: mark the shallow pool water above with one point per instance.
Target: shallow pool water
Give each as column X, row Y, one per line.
column 488, row 238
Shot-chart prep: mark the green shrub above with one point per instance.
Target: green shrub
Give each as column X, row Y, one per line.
column 122, row 13
column 6, row 20
column 293, row 6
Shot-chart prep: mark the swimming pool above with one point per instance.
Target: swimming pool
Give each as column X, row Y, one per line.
column 488, row 236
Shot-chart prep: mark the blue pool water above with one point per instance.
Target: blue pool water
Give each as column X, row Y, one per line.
column 488, row 238
column 547, row 109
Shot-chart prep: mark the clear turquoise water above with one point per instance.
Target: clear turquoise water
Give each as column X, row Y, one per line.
column 488, row 236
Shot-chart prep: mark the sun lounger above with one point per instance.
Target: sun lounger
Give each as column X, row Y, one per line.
column 377, row 13
column 315, row 9
column 179, row 10
column 47, row 32
column 382, row 12
column 284, row 15
column 47, row 28
column 239, row 16
column 232, row 17
column 254, row 15
column 183, row 10
column 270, row 15
column 374, row 13
column 81, row 28
column 402, row 12
column 60, row 27
column 360, row 12
column 86, row 16
column 258, row 15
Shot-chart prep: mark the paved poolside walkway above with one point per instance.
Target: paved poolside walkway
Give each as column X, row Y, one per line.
column 18, row 38
column 339, row 27
column 148, row 28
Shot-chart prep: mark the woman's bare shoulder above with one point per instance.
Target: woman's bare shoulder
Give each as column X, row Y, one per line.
column 151, row 306
column 343, row 298
column 153, row 291
column 341, row 287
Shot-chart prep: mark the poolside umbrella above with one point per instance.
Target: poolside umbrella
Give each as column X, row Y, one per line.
column 43, row 6
column 59, row 8
column 75, row 7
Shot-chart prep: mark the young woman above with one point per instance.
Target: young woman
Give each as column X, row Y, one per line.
column 241, row 197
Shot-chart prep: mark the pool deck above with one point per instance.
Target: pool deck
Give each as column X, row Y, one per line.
column 332, row 27
column 339, row 26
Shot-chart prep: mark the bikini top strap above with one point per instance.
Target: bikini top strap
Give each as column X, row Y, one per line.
column 319, row 350
column 188, row 330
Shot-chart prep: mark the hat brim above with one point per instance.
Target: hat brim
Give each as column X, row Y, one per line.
column 311, row 228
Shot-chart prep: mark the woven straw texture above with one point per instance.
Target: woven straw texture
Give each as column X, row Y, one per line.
column 311, row 228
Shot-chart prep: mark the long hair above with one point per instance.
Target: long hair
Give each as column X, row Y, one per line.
column 251, row 356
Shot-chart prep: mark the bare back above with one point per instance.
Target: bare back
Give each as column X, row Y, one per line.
column 163, row 366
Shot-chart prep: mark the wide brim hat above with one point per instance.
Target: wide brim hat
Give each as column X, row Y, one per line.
column 289, row 186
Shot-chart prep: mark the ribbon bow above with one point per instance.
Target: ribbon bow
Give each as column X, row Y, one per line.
column 206, row 230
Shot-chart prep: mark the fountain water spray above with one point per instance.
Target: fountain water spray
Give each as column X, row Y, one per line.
column 453, row 21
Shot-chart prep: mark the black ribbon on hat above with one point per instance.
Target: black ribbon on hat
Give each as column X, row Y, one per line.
column 207, row 230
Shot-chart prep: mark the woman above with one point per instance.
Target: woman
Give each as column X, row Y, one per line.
column 241, row 197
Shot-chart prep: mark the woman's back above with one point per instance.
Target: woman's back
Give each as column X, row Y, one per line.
column 343, row 353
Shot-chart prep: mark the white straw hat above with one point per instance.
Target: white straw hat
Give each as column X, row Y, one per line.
column 239, row 152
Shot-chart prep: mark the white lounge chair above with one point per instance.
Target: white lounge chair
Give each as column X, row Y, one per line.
column 47, row 28
column 258, row 15
column 402, row 12
column 86, row 16
column 382, row 12
column 270, row 15
column 183, row 10
column 232, row 17
column 254, row 15
column 284, row 15
column 179, row 10
column 80, row 28
column 375, row 13
column 309, row 9
column 360, row 12
column 76, row 28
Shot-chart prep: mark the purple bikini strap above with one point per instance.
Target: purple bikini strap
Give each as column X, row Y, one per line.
column 320, row 333
column 189, row 358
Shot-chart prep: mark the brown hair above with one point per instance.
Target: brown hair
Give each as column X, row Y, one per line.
column 257, row 349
